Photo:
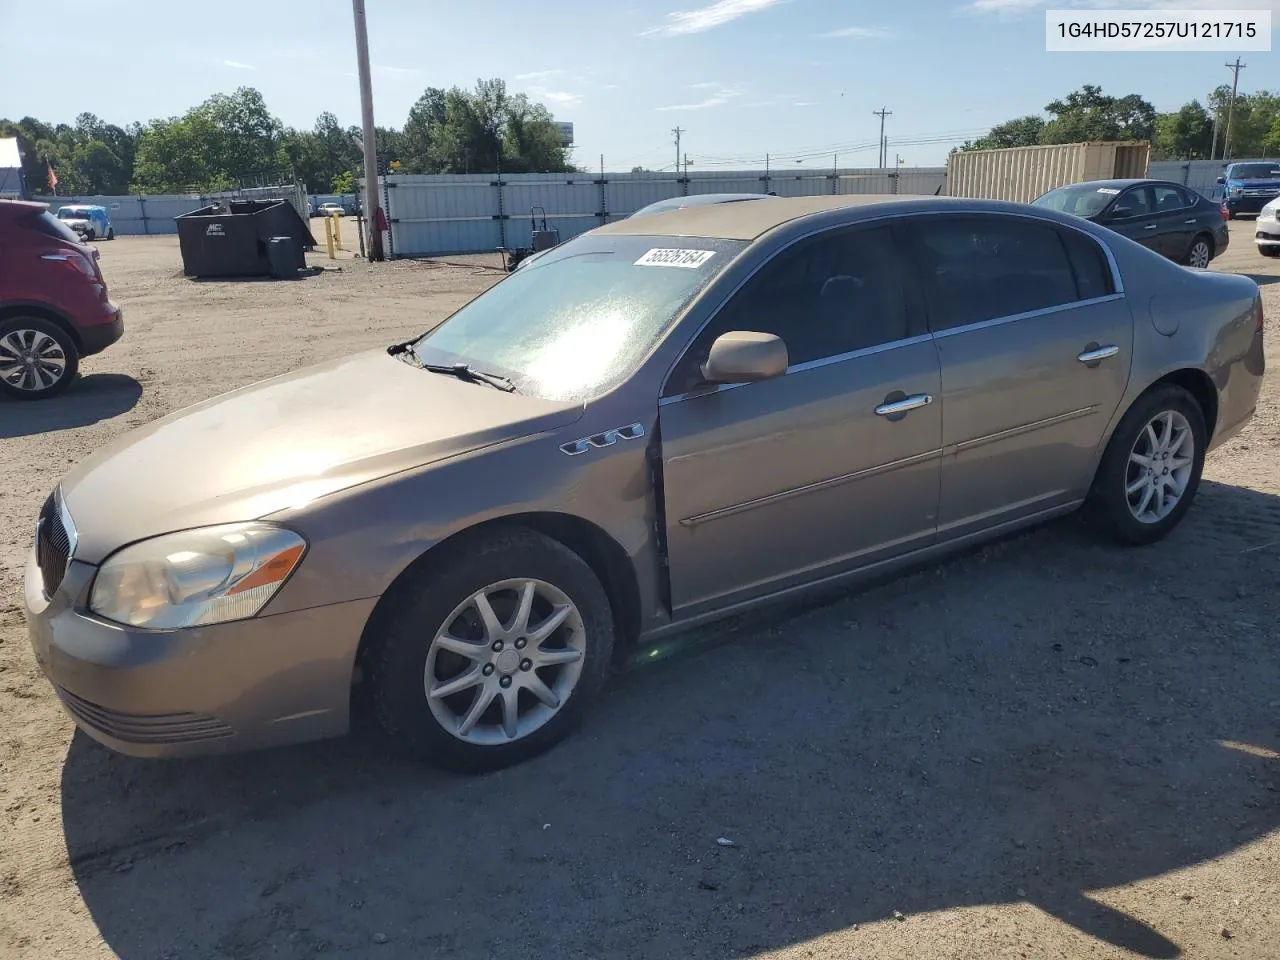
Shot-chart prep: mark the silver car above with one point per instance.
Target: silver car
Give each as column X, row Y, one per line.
column 671, row 419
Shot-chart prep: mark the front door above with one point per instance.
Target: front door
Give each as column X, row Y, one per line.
column 832, row 465
column 1035, row 346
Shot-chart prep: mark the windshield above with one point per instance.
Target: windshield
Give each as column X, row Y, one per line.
column 68, row 214
column 1081, row 199
column 578, row 321
column 1254, row 171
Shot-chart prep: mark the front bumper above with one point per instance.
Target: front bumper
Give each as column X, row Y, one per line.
column 1267, row 233
column 261, row 682
column 1249, row 204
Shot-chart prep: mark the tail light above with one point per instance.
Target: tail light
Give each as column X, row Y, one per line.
column 80, row 262
column 1226, row 214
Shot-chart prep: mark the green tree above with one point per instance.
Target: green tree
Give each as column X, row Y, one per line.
column 481, row 130
column 1186, row 134
column 1022, row 132
column 1089, row 114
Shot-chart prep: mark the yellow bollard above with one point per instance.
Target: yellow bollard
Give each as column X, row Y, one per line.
column 337, row 230
column 328, row 236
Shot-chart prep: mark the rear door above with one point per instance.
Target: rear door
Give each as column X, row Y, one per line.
column 1134, row 216
column 834, row 464
column 1175, row 218
column 1035, row 342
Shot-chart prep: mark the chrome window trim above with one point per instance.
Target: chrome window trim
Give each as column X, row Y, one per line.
column 1116, row 280
column 1014, row 318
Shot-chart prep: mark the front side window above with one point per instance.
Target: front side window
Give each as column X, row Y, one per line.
column 823, row 297
column 1134, row 203
column 978, row 268
column 580, row 319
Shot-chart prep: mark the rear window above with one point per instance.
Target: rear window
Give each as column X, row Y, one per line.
column 50, row 226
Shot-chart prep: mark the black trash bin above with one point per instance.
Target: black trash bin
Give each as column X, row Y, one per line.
column 230, row 238
column 282, row 254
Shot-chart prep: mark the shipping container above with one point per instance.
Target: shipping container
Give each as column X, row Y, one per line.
column 1021, row 174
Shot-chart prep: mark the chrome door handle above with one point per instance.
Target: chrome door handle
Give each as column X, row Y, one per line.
column 1151, row 226
column 1192, row 220
column 904, row 405
column 1101, row 353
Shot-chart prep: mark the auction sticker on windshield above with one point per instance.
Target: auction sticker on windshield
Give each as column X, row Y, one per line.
column 660, row 257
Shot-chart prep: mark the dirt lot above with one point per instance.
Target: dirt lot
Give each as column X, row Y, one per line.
column 1051, row 748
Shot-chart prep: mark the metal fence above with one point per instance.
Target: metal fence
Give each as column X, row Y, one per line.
column 140, row 214
column 442, row 214
column 1199, row 175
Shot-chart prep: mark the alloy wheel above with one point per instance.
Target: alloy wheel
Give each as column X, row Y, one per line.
column 31, row 360
column 1199, row 256
column 1160, row 466
column 506, row 660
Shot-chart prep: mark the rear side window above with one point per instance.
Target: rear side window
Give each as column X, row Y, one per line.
column 50, row 226
column 1093, row 271
column 985, row 268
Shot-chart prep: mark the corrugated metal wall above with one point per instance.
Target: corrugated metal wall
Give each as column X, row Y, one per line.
column 1021, row 174
column 437, row 214
column 140, row 215
column 1199, row 175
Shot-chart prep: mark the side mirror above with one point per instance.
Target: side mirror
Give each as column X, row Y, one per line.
column 1222, row 180
column 1120, row 213
column 744, row 357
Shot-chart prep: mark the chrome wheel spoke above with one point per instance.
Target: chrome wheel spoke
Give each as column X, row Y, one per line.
column 550, row 625
column 1147, row 494
column 31, row 360
column 463, row 648
column 492, row 627
column 1136, row 486
column 553, row 658
column 539, row 689
column 1139, row 459
column 521, row 621
column 484, row 697
column 510, row 713
column 463, row 681
column 1179, row 463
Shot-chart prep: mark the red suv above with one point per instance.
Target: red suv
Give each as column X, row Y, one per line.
column 53, row 302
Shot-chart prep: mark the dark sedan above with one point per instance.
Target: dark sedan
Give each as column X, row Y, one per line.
column 1167, row 217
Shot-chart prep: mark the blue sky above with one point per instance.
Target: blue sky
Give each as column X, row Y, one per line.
column 793, row 78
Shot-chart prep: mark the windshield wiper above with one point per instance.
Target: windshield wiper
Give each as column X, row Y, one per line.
column 463, row 371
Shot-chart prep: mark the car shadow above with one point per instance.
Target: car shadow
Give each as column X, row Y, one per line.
column 93, row 398
column 1037, row 721
column 1262, row 279
column 303, row 274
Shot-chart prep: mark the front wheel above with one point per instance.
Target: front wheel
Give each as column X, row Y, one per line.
column 38, row 358
column 493, row 653
column 1151, row 469
column 1200, row 253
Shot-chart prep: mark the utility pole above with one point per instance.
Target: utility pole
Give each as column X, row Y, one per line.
column 677, row 131
column 1213, row 148
column 370, row 139
column 1235, row 68
column 686, row 165
column 882, row 113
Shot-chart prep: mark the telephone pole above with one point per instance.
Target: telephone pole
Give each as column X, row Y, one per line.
column 882, row 113
column 1235, row 68
column 370, row 138
column 677, row 131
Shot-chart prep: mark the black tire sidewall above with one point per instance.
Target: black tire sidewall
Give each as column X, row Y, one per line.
column 69, row 351
column 1112, row 506
column 397, row 656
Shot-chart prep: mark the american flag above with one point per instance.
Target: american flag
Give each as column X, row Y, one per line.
column 53, row 177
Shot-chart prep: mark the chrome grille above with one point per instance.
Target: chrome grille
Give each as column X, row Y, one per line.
column 53, row 545
column 145, row 727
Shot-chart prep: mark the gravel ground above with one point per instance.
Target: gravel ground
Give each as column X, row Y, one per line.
column 1048, row 748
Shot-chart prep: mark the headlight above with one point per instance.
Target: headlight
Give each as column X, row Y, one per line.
column 195, row 577
column 1236, row 191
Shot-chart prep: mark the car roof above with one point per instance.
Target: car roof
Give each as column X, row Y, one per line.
column 748, row 221
column 17, row 208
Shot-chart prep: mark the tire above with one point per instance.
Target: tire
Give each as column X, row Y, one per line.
column 1269, row 251
column 22, row 336
column 1110, row 501
column 1201, row 249
column 90, row 235
column 111, row 233
column 405, row 654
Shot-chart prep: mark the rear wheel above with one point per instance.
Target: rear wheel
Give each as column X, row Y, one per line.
column 38, row 359
column 111, row 233
column 1200, row 252
column 493, row 655
column 1151, row 469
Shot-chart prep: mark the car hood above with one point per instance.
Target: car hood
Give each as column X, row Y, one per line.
column 286, row 441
